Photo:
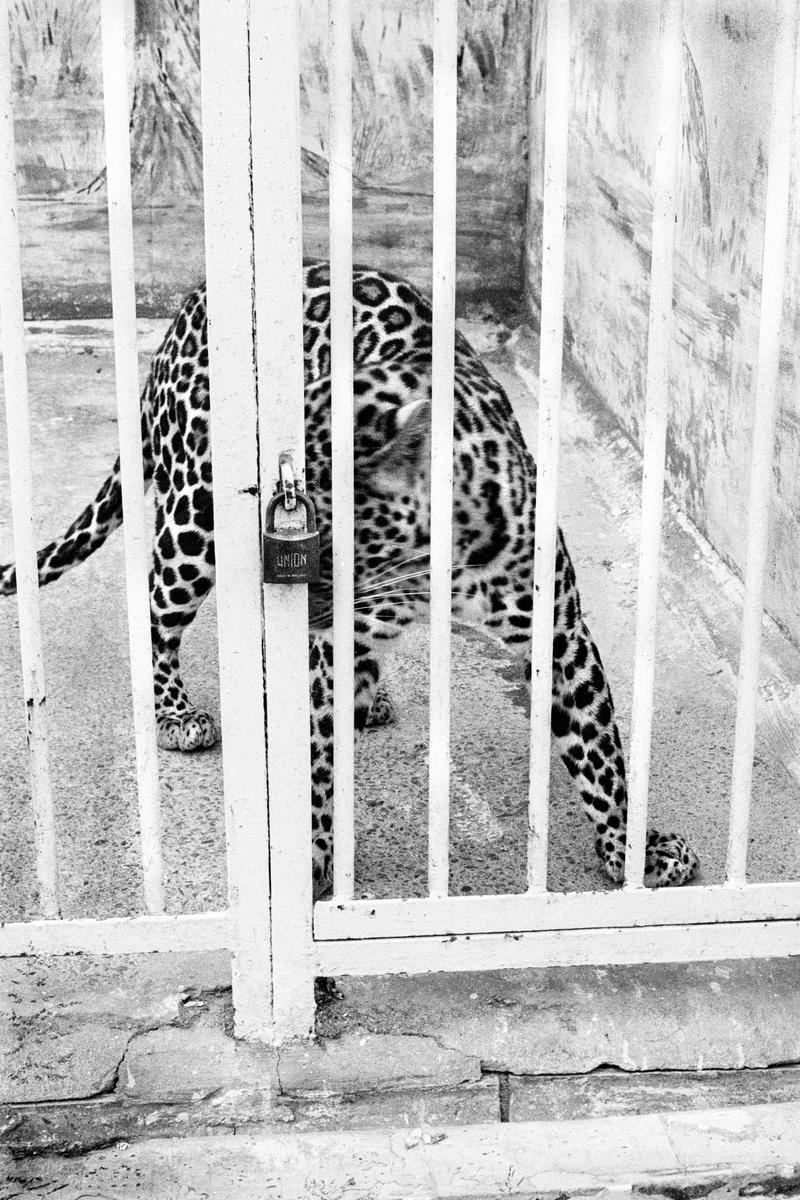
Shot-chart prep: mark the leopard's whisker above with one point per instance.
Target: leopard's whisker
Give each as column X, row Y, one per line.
column 376, row 584
column 400, row 564
column 366, row 603
column 361, row 602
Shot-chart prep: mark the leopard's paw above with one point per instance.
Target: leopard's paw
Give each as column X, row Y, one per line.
column 613, row 859
column 383, row 711
column 192, row 730
column 670, row 860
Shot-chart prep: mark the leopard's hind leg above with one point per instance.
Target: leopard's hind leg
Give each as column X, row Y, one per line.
column 382, row 711
column 176, row 593
column 181, row 578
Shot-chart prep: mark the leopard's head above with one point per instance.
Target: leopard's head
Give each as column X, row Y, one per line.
column 392, row 509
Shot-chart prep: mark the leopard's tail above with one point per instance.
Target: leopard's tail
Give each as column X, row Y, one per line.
column 86, row 533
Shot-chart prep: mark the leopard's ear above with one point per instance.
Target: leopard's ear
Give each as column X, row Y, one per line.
column 405, row 454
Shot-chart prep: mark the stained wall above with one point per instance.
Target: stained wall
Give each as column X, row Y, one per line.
column 726, row 107
column 59, row 127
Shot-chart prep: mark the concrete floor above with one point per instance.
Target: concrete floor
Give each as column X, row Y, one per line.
column 85, row 637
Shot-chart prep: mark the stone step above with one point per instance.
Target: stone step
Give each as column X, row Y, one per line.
column 724, row 1152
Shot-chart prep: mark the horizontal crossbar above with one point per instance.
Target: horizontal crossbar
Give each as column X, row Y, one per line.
column 560, row 948
column 359, row 919
column 118, row 935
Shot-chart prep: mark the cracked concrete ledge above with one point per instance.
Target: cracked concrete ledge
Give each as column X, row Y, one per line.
column 67, row 1023
column 181, row 1081
column 157, row 1029
column 679, row 1156
column 666, row 1016
column 98, row 1050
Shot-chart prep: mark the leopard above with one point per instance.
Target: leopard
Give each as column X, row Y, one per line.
column 493, row 534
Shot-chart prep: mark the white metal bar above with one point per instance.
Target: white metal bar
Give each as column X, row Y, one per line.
column 274, row 59
column 550, row 362
column 549, row 910
column 234, row 434
column 342, row 422
column 766, row 400
column 15, row 379
column 655, row 429
column 116, row 99
column 445, row 94
column 130, row 44
column 561, row 948
column 118, row 935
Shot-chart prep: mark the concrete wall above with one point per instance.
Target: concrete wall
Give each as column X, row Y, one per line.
column 726, row 116
column 58, row 115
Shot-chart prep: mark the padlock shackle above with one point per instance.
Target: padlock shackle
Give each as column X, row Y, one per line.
column 286, row 482
column 311, row 512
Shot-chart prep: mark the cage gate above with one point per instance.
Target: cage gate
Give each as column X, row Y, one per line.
column 279, row 941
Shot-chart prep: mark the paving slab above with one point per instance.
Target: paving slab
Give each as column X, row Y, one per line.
column 360, row 1061
column 606, row 1092
column 179, row 1064
column 743, row 1150
column 81, row 1126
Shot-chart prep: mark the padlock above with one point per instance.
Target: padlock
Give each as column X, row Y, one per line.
column 291, row 555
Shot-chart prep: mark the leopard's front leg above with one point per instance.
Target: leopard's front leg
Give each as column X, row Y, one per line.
column 585, row 731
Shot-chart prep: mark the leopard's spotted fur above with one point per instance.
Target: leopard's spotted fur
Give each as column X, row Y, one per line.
column 493, row 540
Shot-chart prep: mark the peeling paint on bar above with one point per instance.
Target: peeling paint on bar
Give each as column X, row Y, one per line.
column 445, row 88
column 766, row 399
column 550, row 361
column 560, row 948
column 115, row 32
column 160, row 933
column 15, row 378
column 229, row 268
column 342, row 424
column 464, row 915
column 275, row 125
column 655, row 431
